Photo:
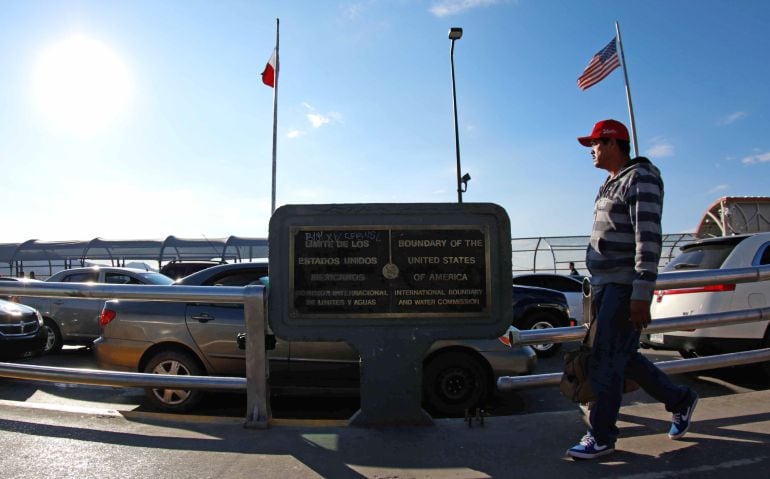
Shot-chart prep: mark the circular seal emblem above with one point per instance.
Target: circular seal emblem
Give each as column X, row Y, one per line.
column 390, row 271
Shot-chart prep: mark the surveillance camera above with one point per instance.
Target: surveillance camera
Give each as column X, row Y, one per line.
column 464, row 180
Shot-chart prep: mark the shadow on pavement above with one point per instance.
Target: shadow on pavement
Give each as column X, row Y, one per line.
column 531, row 447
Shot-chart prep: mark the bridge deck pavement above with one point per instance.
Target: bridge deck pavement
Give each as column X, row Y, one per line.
column 730, row 436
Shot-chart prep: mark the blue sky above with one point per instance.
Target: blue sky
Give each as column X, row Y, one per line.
column 143, row 119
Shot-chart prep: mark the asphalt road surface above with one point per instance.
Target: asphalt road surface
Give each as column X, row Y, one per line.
column 707, row 383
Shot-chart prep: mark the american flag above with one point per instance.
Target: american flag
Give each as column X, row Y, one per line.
column 600, row 66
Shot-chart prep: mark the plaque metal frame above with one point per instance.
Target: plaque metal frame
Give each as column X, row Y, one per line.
column 489, row 218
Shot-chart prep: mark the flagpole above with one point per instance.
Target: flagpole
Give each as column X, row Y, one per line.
column 275, row 111
column 628, row 91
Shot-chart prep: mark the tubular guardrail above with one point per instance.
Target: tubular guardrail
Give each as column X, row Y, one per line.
column 672, row 280
column 98, row 377
column 677, row 366
column 252, row 297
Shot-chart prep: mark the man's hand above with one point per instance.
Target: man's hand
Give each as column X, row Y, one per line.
column 640, row 314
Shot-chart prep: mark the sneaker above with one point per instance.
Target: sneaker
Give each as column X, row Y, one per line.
column 680, row 421
column 587, row 448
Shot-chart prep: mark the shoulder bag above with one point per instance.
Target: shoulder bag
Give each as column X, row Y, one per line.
column 575, row 384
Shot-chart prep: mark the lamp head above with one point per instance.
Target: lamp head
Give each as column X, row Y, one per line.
column 455, row 33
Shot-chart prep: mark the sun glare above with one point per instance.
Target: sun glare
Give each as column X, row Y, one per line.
column 81, row 85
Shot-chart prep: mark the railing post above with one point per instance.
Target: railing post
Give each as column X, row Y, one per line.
column 257, row 369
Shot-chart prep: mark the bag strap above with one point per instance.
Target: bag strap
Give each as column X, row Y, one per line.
column 588, row 340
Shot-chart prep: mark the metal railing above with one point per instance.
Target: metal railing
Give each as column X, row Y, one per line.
column 252, row 298
column 554, row 253
column 672, row 280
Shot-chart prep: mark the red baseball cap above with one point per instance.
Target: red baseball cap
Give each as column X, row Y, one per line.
column 606, row 129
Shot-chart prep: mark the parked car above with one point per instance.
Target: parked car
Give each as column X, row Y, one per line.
column 21, row 331
column 540, row 308
column 200, row 339
column 76, row 320
column 570, row 286
column 714, row 254
column 178, row 269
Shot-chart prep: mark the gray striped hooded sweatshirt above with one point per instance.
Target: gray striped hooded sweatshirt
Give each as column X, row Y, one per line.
column 626, row 237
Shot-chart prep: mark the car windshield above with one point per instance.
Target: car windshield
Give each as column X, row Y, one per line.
column 706, row 256
column 226, row 275
column 156, row 278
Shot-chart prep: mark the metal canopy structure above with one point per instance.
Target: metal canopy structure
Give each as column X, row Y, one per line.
column 47, row 257
column 551, row 254
column 732, row 215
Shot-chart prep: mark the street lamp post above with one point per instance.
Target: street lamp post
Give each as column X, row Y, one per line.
column 456, row 33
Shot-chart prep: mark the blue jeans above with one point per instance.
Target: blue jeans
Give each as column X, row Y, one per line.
column 615, row 356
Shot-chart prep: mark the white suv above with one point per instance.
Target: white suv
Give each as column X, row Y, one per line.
column 715, row 253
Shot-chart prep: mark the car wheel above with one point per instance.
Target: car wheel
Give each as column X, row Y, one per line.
column 178, row 363
column 543, row 321
column 686, row 354
column 454, row 382
column 53, row 342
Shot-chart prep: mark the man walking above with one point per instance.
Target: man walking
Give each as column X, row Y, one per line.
column 622, row 258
